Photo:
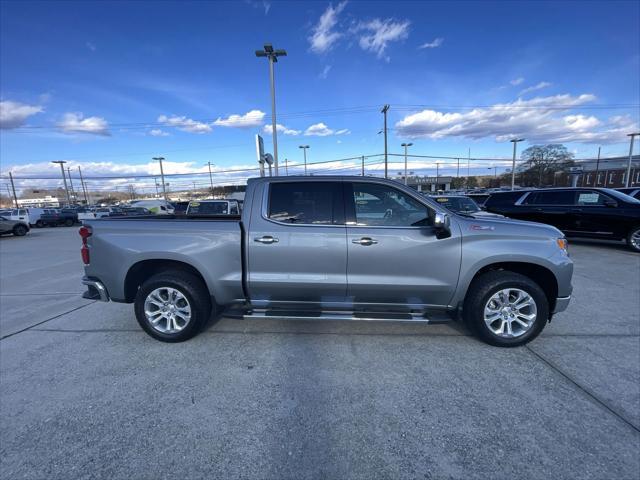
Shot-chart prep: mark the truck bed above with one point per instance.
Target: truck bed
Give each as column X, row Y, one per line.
column 211, row 245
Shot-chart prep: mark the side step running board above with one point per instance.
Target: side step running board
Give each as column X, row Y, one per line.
column 347, row 316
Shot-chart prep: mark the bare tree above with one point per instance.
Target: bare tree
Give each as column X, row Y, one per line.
column 542, row 161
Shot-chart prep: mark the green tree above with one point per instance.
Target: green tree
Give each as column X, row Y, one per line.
column 540, row 162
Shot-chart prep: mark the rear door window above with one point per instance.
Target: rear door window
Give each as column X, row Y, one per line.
column 311, row 203
column 562, row 197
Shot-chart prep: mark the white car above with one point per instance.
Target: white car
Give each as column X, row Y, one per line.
column 157, row 207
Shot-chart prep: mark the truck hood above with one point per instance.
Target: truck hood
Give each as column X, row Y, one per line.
column 496, row 224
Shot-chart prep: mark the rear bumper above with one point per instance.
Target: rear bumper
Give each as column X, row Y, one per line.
column 95, row 290
column 561, row 304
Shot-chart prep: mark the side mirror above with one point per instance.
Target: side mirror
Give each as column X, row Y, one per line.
column 442, row 222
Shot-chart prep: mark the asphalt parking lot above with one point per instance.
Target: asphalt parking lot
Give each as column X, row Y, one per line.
column 84, row 393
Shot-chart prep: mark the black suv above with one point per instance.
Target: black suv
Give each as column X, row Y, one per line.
column 579, row 212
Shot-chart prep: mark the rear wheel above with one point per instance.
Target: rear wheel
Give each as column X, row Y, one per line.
column 68, row 222
column 173, row 306
column 633, row 239
column 506, row 309
column 20, row 230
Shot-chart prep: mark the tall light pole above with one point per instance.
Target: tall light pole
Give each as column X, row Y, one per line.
column 64, row 179
column 84, row 187
column 437, row 175
column 272, row 55
column 632, row 135
column 513, row 164
column 304, row 149
column 384, row 111
column 210, row 176
column 13, row 188
column 164, row 189
column 73, row 192
column 405, row 145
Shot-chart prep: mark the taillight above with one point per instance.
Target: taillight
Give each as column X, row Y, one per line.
column 85, row 232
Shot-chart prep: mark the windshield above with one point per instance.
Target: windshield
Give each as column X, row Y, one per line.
column 621, row 196
column 209, row 208
column 458, row 204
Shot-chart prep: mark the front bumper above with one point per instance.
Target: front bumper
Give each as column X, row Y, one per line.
column 561, row 304
column 95, row 290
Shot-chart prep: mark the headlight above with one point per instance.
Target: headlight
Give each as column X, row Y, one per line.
column 563, row 244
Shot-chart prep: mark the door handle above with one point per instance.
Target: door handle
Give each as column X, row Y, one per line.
column 366, row 241
column 266, row 239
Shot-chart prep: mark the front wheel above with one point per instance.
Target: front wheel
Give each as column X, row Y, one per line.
column 20, row 230
column 506, row 309
column 40, row 224
column 633, row 239
column 173, row 306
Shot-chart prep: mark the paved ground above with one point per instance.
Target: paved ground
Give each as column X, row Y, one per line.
column 85, row 394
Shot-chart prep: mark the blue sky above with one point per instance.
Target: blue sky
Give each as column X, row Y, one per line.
column 109, row 85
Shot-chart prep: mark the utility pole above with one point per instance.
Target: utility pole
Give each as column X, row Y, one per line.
column 363, row 165
column 384, row 110
column 632, row 135
column 458, row 172
column 73, row 192
column 84, row 187
column 304, row 149
column 155, row 181
column 210, row 176
column 286, row 168
column 513, row 164
column 595, row 183
column 272, row 55
column 468, row 161
column 164, row 190
column 64, row 179
column 437, row 175
column 13, row 188
column 405, row 145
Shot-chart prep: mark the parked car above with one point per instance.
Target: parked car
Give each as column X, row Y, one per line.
column 479, row 198
column 106, row 211
column 464, row 206
column 18, row 214
column 19, row 228
column 213, row 207
column 632, row 192
column 131, row 212
column 408, row 257
column 578, row 212
column 180, row 208
column 156, row 207
column 66, row 216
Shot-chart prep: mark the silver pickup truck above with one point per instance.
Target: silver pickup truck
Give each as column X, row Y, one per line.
column 331, row 248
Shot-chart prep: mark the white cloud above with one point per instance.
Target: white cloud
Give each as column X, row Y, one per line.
column 264, row 4
column 516, row 81
column 91, row 46
column 323, row 35
column 76, row 123
column 253, row 118
column 185, row 124
column 14, row 114
column 267, row 130
column 156, row 132
column 376, row 34
column 533, row 88
column 321, row 130
column 435, row 44
column 325, row 71
column 540, row 119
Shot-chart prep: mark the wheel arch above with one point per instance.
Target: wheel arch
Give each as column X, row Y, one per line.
column 144, row 269
column 543, row 276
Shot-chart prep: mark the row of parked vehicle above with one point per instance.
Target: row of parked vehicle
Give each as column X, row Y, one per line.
column 599, row 213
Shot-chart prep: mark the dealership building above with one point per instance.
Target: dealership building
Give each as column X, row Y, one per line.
column 609, row 172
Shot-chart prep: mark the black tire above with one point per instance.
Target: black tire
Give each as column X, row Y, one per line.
column 20, row 230
column 39, row 224
column 634, row 243
column 481, row 291
column 68, row 222
column 188, row 285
